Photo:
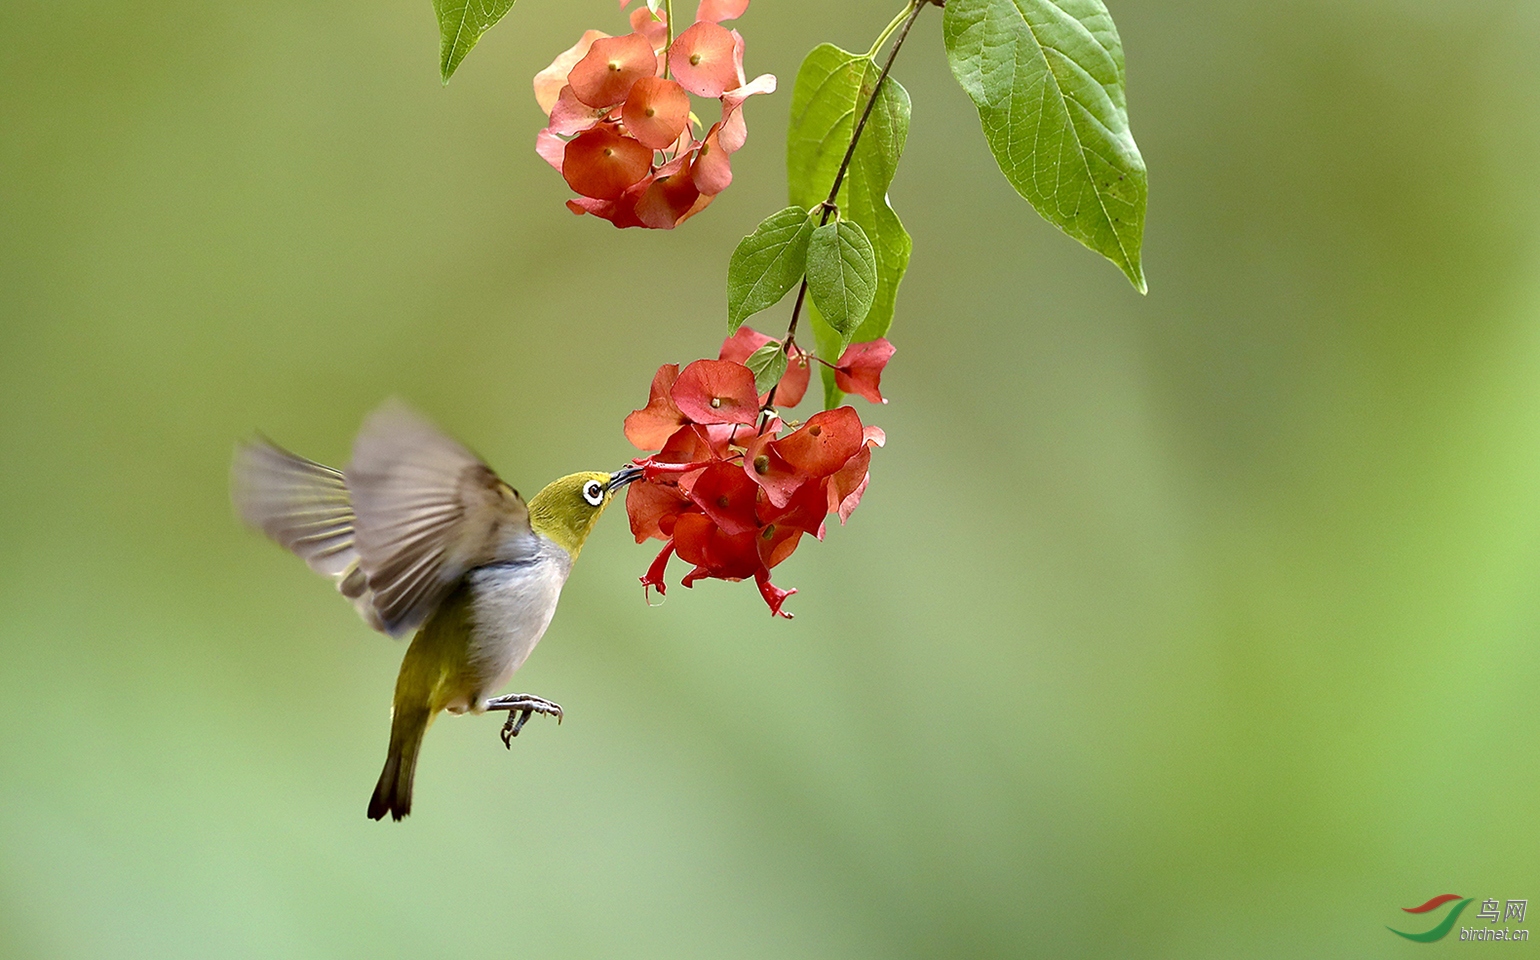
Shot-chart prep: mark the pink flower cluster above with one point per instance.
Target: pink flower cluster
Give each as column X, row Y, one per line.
column 621, row 131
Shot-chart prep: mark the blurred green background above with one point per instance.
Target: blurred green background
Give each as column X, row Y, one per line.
column 1195, row 625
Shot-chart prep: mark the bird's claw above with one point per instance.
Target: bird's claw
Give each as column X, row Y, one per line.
column 520, row 707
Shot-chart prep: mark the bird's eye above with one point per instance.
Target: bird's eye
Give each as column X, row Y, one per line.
column 593, row 492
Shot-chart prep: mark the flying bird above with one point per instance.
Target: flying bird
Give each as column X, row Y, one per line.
column 427, row 541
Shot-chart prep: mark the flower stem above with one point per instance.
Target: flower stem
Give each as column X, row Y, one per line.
column 887, row 32
column 902, row 23
column 668, row 20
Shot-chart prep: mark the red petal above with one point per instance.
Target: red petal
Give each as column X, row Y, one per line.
column 793, row 385
column 689, row 444
column 653, row 508
column 604, row 76
column 571, row 115
column 723, row 435
column 656, row 111
column 874, row 436
column 548, row 82
column 667, row 201
column 740, row 345
column 701, row 204
column 849, row 504
column 602, row 164
column 805, row 511
column 776, row 543
column 849, row 481
column 622, row 212
column 734, row 130
column 717, row 554
column 774, row 596
column 650, row 427
column 718, row 10
column 712, row 168
column 654, row 575
column 766, row 467
column 727, row 497
column 859, row 370
column 823, row 444
column 702, row 59
column 794, row 382
column 716, row 391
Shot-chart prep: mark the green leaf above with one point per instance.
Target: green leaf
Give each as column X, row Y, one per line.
column 832, row 88
column 831, row 85
column 768, row 364
column 865, row 201
column 460, row 24
column 766, row 264
column 841, row 274
column 1047, row 79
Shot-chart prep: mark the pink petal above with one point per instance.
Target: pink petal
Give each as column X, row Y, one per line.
column 667, row 201
column 548, row 82
column 734, row 131
column 572, row 116
column 656, row 112
column 551, row 148
column 718, row 10
column 602, row 164
column 604, row 76
column 712, row 170
column 655, row 29
column 849, row 504
column 702, row 59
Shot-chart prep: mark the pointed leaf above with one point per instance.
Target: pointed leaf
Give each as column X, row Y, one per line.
column 830, row 93
column 841, row 274
column 768, row 364
column 1047, row 79
column 460, row 24
column 831, row 84
column 766, row 264
column 864, row 200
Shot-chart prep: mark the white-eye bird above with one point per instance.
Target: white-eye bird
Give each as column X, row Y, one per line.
column 422, row 536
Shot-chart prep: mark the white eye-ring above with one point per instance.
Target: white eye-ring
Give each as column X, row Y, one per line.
column 593, row 492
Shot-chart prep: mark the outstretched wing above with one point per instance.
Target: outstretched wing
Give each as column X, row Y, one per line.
column 304, row 507
column 427, row 511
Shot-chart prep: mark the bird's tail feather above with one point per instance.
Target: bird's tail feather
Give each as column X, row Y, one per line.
column 393, row 794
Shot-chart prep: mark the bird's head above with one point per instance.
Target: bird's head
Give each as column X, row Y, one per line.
column 566, row 510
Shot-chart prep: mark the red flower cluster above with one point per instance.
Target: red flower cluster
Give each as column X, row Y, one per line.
column 621, row 130
column 732, row 498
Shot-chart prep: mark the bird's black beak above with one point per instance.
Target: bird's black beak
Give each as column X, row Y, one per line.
column 626, row 474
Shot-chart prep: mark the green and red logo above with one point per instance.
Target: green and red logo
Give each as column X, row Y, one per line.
column 1441, row 930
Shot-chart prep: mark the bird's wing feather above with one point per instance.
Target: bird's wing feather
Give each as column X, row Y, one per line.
column 428, row 511
column 304, row 507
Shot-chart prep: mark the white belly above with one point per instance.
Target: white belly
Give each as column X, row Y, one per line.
column 511, row 606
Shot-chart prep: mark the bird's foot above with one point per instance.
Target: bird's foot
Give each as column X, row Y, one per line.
column 520, row 707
